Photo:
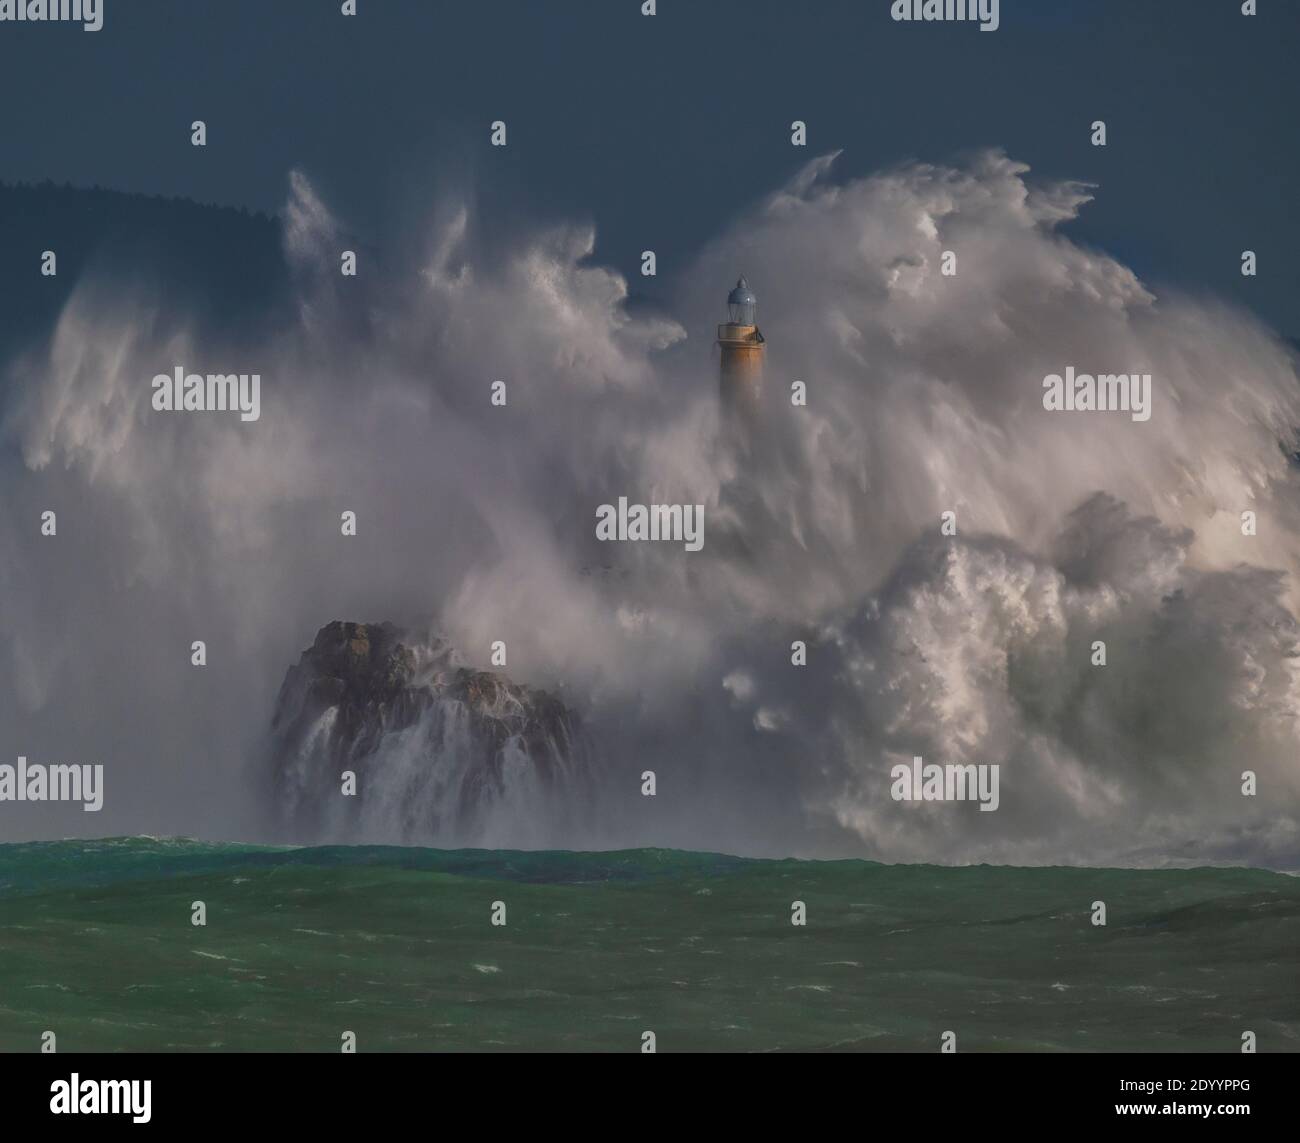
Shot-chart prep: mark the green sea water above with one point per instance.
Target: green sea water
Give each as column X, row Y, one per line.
column 397, row 946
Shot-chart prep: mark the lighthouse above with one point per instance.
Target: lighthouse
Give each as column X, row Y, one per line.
column 742, row 345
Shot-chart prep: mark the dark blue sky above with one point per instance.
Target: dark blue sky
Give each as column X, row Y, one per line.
column 660, row 128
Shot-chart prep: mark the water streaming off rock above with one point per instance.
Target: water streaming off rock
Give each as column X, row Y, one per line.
column 442, row 753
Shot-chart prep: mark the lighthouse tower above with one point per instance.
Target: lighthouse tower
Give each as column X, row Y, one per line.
column 742, row 346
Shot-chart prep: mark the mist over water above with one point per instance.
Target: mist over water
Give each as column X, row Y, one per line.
column 924, row 397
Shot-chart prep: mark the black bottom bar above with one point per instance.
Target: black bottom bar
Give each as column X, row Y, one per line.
column 337, row 1092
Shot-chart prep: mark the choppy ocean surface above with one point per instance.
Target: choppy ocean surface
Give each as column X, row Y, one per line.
column 397, row 946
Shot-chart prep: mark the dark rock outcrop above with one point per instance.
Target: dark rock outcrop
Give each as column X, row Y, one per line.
column 441, row 753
